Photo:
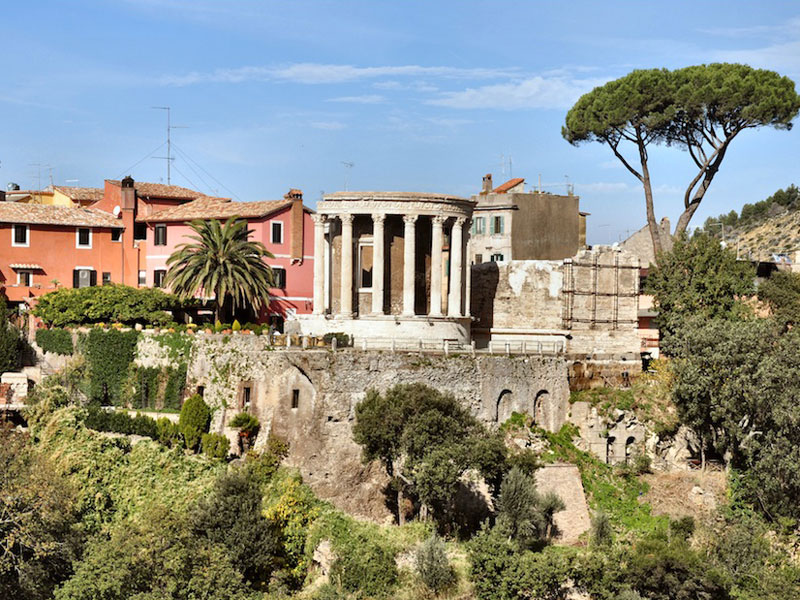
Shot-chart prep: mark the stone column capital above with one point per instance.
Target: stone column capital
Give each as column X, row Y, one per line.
column 319, row 219
column 346, row 218
column 438, row 220
column 410, row 219
column 460, row 221
column 379, row 218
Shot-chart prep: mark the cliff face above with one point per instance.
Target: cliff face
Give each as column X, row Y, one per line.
column 308, row 398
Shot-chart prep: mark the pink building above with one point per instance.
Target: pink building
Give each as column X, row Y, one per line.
column 283, row 226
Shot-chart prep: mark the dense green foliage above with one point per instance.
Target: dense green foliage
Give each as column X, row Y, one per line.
column 108, row 355
column 697, row 279
column 221, row 259
column 426, row 440
column 112, row 303
column 432, row 564
column 10, row 342
column 57, row 341
column 737, row 389
column 752, row 214
column 37, row 510
column 117, row 421
column 700, row 109
column 366, row 567
column 781, row 292
column 215, row 445
column 194, row 420
column 524, row 512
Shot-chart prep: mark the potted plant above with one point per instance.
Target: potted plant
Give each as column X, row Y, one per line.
column 248, row 427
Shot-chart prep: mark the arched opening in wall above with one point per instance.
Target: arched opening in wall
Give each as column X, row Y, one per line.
column 629, row 449
column 542, row 396
column 610, row 449
column 503, row 408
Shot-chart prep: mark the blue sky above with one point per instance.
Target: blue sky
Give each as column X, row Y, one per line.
column 418, row 95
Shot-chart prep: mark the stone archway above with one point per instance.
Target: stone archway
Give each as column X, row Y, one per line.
column 629, row 449
column 610, row 457
column 504, row 407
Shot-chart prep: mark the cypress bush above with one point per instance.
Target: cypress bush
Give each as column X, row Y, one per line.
column 194, row 420
column 57, row 341
column 215, row 445
column 10, row 342
column 432, row 565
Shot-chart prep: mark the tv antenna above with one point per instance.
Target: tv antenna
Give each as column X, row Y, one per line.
column 348, row 165
column 169, row 158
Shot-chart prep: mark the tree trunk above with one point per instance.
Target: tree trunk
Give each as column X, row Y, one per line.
column 401, row 518
column 703, row 454
column 655, row 232
column 692, row 206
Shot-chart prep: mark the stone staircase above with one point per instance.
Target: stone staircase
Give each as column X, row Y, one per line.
column 565, row 480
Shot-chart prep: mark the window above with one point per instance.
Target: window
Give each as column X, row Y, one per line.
column 497, row 258
column 365, row 266
column 479, row 226
column 158, row 277
column 201, row 390
column 25, row 278
column 160, row 237
column 279, row 277
column 497, row 224
column 83, row 238
column 116, row 235
column 478, row 259
column 21, row 233
column 84, row 277
column 139, row 231
column 106, row 277
column 142, row 278
column 295, row 398
column 276, row 232
column 246, row 396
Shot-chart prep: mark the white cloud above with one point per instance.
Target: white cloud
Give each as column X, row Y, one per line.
column 365, row 99
column 319, row 73
column 784, row 58
column 789, row 26
column 327, row 125
column 534, row 92
column 602, row 187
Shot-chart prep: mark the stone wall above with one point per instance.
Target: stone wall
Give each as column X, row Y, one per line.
column 591, row 300
column 309, row 399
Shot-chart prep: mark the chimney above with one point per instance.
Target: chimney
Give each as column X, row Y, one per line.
column 487, row 184
column 295, row 224
column 128, row 194
column 2, row 196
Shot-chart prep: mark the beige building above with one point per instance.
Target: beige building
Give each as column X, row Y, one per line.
column 391, row 265
column 512, row 224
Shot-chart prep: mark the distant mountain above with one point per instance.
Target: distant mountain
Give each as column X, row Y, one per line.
column 771, row 226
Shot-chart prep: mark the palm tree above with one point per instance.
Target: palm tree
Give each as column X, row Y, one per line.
column 221, row 260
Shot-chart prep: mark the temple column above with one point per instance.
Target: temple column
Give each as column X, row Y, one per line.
column 468, row 261
column 456, row 268
column 409, row 258
column 436, row 266
column 319, row 263
column 378, row 244
column 346, row 285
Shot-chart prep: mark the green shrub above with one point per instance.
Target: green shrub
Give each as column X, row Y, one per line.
column 236, row 325
column 432, row 565
column 342, row 339
column 109, row 354
column 176, row 384
column 215, row 445
column 167, row 432
column 57, row 341
column 246, row 423
column 106, row 304
column 364, row 566
column 601, row 532
column 682, row 528
column 120, row 422
column 10, row 342
column 194, row 420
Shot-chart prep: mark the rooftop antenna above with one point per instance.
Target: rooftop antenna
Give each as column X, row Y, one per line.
column 169, row 158
column 348, row 165
column 570, row 187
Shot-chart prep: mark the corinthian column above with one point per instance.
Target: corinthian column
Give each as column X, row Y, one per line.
column 436, row 266
column 319, row 263
column 456, row 268
column 409, row 258
column 377, row 263
column 346, row 286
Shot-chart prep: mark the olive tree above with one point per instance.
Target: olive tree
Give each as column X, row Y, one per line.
column 700, row 109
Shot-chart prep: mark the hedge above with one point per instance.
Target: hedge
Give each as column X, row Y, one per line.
column 120, row 422
column 57, row 341
column 109, row 354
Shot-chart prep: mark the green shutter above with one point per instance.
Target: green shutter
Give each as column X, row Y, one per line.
column 491, row 225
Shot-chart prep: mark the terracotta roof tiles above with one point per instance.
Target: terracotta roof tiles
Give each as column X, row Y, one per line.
column 44, row 214
column 502, row 189
column 160, row 190
column 217, row 208
column 80, row 194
